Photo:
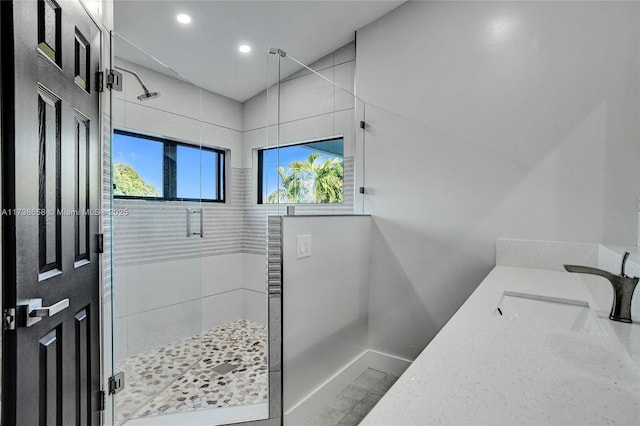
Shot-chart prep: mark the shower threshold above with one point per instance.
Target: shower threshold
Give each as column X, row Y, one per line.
column 207, row 417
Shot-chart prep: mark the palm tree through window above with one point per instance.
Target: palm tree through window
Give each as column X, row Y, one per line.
column 311, row 172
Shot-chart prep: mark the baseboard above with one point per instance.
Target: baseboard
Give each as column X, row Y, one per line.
column 387, row 363
column 304, row 410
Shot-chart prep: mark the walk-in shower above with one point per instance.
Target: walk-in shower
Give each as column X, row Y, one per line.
column 188, row 286
column 199, row 325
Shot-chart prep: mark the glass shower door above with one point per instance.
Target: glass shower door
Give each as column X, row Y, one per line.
column 188, row 320
column 156, row 245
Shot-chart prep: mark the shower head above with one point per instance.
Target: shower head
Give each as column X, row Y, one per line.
column 147, row 94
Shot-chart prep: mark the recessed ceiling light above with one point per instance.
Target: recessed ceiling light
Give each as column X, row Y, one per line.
column 183, row 19
column 245, row 48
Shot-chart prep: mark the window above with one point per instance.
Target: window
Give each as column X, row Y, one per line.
column 161, row 169
column 311, row 172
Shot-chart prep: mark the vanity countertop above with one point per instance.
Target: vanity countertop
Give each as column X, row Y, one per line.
column 483, row 369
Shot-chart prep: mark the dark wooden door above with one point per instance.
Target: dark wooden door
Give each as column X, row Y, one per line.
column 51, row 193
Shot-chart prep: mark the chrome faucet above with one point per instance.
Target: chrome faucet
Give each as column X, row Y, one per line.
column 623, row 287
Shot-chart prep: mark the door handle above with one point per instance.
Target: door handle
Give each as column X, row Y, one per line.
column 48, row 311
column 32, row 311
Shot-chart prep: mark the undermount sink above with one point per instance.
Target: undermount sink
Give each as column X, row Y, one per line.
column 548, row 313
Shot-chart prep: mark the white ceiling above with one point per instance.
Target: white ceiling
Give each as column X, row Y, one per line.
column 205, row 52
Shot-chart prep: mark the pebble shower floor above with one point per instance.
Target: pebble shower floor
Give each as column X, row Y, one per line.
column 223, row 367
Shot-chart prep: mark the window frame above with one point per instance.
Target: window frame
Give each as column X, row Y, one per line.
column 260, row 168
column 170, row 169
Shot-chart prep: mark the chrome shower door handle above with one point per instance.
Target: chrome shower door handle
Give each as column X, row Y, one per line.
column 31, row 311
column 190, row 232
column 48, row 311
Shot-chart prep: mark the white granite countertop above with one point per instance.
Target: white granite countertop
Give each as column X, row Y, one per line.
column 481, row 369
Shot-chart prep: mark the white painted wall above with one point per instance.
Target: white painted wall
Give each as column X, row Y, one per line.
column 487, row 120
column 325, row 300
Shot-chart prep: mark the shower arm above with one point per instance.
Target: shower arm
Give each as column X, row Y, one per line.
column 135, row 74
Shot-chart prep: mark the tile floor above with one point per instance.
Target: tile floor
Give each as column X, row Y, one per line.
column 223, row 367
column 355, row 401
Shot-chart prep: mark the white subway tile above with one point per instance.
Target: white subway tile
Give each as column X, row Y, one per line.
column 221, row 308
column 152, row 329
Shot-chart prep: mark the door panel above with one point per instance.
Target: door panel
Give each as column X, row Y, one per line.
column 50, row 377
column 83, row 367
column 49, row 126
column 51, row 374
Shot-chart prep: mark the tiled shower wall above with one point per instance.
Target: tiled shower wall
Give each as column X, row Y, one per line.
column 309, row 108
column 168, row 286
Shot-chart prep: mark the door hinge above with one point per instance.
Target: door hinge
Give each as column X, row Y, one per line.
column 100, row 243
column 9, row 319
column 116, row 383
column 114, row 80
column 102, row 400
column 109, row 78
column 100, row 81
